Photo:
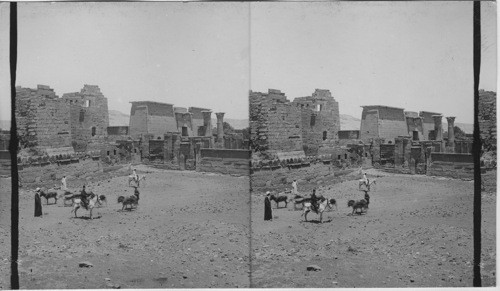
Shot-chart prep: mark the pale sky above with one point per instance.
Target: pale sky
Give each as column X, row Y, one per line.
column 415, row 55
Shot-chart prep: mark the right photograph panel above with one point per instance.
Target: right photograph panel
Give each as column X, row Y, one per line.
column 361, row 131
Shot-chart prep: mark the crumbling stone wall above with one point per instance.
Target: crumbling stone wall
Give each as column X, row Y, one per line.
column 487, row 120
column 224, row 161
column 89, row 118
column 274, row 123
column 308, row 123
column 42, row 119
column 320, row 120
column 459, row 166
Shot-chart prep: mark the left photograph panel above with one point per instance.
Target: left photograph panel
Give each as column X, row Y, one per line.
column 132, row 120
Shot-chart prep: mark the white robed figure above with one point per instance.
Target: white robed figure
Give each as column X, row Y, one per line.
column 294, row 186
column 136, row 177
column 63, row 183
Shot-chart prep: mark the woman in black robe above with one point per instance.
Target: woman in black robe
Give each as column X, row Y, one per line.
column 38, row 203
column 268, row 212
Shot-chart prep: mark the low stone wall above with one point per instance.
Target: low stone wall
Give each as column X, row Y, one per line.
column 459, row 166
column 224, row 161
column 317, row 174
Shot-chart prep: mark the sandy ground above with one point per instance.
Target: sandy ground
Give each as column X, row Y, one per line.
column 189, row 230
column 416, row 233
column 5, row 203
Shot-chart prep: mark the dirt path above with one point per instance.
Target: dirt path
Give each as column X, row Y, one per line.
column 189, row 230
column 417, row 233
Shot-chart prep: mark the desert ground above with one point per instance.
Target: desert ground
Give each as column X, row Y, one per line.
column 192, row 230
column 5, row 186
column 417, row 232
column 189, row 230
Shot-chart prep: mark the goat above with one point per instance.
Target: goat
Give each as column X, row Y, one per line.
column 279, row 199
column 361, row 205
column 49, row 194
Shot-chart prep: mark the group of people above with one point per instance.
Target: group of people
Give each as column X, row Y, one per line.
column 314, row 199
column 268, row 212
column 84, row 197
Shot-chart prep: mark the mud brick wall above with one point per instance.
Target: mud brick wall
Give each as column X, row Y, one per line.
column 235, row 162
column 458, row 166
column 42, row 118
column 487, row 119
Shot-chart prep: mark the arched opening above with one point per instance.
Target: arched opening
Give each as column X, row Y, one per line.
column 324, row 135
column 93, row 131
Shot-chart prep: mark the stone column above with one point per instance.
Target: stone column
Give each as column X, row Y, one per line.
column 220, row 129
column 167, row 147
column 438, row 129
column 207, row 123
column 451, row 133
column 176, row 141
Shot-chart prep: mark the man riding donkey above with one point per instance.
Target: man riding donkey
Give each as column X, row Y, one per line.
column 84, row 197
column 136, row 177
column 314, row 201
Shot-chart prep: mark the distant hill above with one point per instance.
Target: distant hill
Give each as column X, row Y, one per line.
column 117, row 118
column 235, row 123
column 348, row 122
column 5, row 124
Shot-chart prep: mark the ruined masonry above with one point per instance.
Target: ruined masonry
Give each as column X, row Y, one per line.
column 76, row 120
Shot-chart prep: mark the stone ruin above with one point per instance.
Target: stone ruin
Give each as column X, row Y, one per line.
column 64, row 129
column 288, row 133
column 306, row 125
column 45, row 120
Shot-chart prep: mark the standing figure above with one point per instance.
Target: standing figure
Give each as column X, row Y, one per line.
column 38, row 203
column 268, row 211
column 294, row 185
column 63, row 182
column 136, row 177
